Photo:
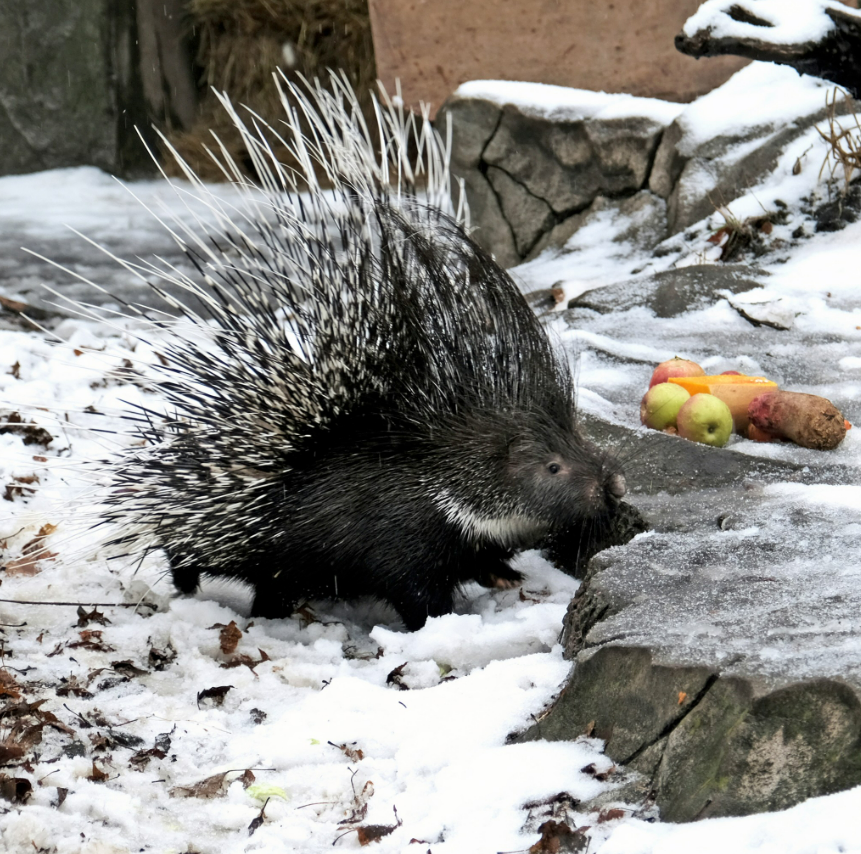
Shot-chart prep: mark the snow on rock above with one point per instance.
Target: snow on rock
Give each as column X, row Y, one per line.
column 561, row 103
column 787, row 22
column 759, row 94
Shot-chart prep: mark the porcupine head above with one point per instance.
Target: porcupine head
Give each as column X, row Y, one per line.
column 514, row 477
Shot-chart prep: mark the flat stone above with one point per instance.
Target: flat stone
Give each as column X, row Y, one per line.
column 470, row 123
column 643, row 219
column 78, row 76
column 719, row 655
column 671, row 292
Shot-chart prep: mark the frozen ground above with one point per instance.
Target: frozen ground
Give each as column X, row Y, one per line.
column 114, row 714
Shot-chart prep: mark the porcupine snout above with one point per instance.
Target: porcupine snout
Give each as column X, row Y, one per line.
column 606, row 486
column 616, row 485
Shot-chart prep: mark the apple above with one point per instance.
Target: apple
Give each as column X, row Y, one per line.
column 731, row 374
column 705, row 418
column 661, row 404
column 675, row 368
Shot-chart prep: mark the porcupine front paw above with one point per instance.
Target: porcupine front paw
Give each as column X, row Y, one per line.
column 494, row 572
column 415, row 611
column 509, row 581
column 273, row 598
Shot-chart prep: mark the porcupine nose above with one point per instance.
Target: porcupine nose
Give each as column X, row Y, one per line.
column 616, row 486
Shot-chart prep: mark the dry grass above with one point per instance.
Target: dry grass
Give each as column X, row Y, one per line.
column 241, row 43
column 844, row 143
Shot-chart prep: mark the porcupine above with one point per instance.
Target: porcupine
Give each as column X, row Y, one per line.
column 375, row 409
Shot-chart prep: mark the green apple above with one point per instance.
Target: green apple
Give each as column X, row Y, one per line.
column 675, row 368
column 661, row 405
column 705, row 418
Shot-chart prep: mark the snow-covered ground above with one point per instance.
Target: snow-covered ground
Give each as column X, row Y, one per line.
column 130, row 751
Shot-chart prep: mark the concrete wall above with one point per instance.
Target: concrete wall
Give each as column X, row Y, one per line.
column 620, row 46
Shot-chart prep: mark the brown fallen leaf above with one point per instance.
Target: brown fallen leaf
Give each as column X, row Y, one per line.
column 396, row 678
column 9, row 688
column 559, row 838
column 10, row 753
column 211, row 787
column 354, row 754
column 260, row 818
column 229, row 636
column 95, row 616
column 98, row 776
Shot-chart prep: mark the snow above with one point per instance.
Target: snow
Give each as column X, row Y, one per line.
column 818, row 826
column 789, row 22
column 748, row 99
column 559, row 103
column 436, row 753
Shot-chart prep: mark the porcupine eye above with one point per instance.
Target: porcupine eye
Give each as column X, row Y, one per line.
column 554, row 468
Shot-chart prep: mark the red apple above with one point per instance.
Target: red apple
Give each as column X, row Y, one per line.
column 731, row 374
column 705, row 418
column 675, row 368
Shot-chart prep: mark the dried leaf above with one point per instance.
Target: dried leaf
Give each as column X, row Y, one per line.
column 352, row 753
column 211, row 787
column 592, row 770
column 161, row 659
column 31, row 433
column 128, row 668
column 368, row 833
column 91, row 639
column 71, row 687
column 396, row 678
column 243, row 660
column 95, row 616
column 610, row 815
column 10, row 753
column 360, row 803
column 98, row 776
column 229, row 637
column 9, row 688
column 558, row 838
column 24, row 566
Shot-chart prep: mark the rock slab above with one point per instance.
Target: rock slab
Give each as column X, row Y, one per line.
column 719, row 655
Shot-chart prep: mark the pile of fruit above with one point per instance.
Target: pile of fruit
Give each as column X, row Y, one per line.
column 681, row 399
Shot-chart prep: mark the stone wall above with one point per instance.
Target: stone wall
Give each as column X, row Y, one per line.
column 78, row 76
